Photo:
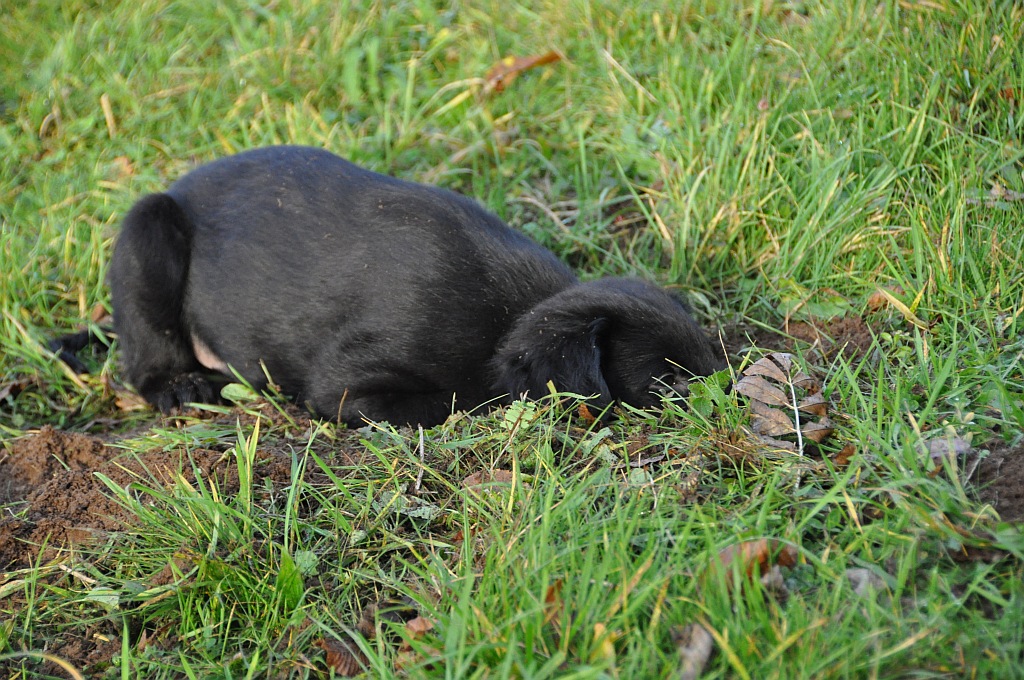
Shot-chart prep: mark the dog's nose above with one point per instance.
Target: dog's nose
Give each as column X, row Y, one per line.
column 682, row 388
column 677, row 388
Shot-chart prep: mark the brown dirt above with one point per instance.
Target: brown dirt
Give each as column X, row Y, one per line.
column 52, row 503
column 50, row 495
column 1000, row 480
column 821, row 340
column 53, row 497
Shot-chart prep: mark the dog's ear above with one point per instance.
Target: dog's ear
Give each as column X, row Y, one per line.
column 564, row 349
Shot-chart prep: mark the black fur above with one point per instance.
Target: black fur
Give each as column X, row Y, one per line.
column 67, row 347
column 364, row 296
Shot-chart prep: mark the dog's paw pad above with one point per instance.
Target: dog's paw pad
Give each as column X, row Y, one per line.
column 180, row 391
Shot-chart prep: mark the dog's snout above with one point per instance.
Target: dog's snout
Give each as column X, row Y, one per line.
column 671, row 386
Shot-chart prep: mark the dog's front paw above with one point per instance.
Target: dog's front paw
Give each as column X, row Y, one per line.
column 179, row 391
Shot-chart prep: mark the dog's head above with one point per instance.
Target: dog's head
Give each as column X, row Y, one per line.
column 618, row 339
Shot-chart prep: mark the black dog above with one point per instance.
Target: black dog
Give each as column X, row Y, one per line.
column 364, row 296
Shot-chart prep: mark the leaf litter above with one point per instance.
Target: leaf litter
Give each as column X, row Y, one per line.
column 787, row 404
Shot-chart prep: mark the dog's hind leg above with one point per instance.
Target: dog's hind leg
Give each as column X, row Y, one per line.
column 148, row 278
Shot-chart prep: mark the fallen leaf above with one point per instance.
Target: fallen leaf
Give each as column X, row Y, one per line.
column 876, row 300
column 695, row 646
column 781, row 397
column 418, row 626
column 770, row 422
column 505, row 71
column 123, row 167
column 585, row 415
column 344, row 658
column 553, row 605
column 842, row 458
column 127, row 400
column 488, row 480
column 99, row 315
column 814, row 404
column 768, row 369
column 367, row 624
column 415, row 629
column 759, row 389
column 761, row 554
column 818, row 431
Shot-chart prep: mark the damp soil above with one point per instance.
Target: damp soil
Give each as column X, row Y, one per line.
column 999, row 479
column 820, row 341
column 53, row 498
column 53, row 502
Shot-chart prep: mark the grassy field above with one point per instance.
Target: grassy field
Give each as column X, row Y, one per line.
column 840, row 180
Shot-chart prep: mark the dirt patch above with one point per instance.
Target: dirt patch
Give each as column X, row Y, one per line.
column 820, row 340
column 52, row 503
column 1000, row 481
column 849, row 336
column 51, row 497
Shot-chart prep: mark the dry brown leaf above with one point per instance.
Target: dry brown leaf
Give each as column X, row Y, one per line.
column 585, row 415
column 553, row 605
column 778, row 444
column 814, row 404
column 783, row 359
column 877, row 300
column 761, row 554
column 123, row 167
column 344, row 658
column 367, row 624
column 418, row 626
column 781, row 397
column 99, row 315
column 759, row 389
column 842, row 458
column 817, row 432
column 806, row 382
column 695, row 646
column 768, row 369
column 125, row 399
column 505, row 71
column 479, row 481
column 770, row 422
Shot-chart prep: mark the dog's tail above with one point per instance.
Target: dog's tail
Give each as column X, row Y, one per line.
column 67, row 347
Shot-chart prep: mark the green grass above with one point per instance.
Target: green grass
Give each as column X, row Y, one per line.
column 774, row 160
